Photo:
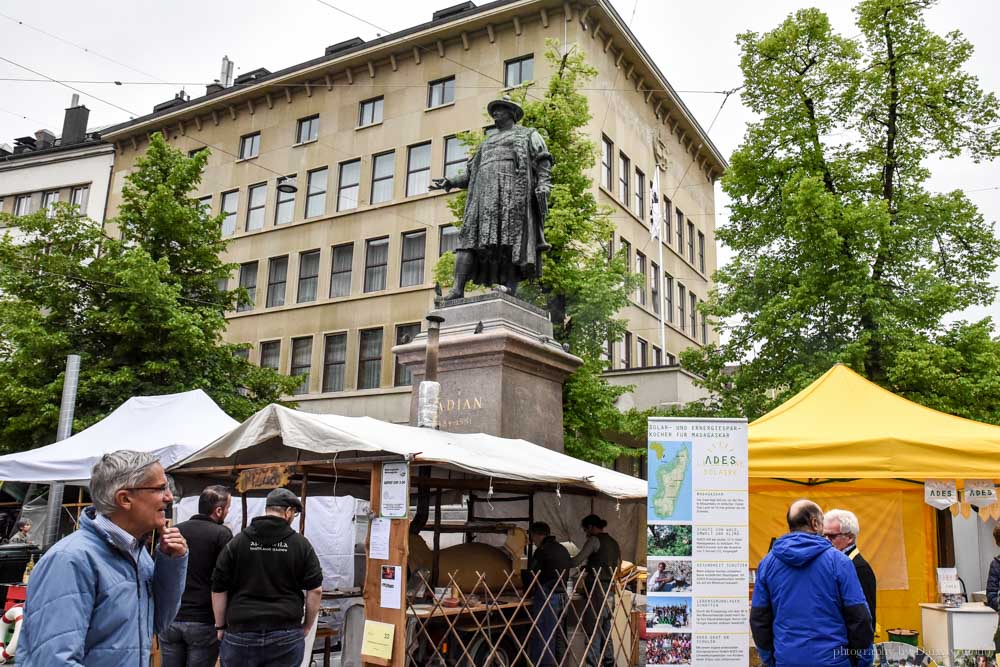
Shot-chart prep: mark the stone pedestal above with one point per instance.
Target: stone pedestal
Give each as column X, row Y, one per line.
column 500, row 370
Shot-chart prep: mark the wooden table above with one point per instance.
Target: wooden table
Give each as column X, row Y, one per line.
column 327, row 634
column 429, row 610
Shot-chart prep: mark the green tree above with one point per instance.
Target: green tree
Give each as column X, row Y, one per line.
column 841, row 253
column 580, row 286
column 144, row 310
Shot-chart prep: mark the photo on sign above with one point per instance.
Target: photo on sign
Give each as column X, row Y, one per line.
column 668, row 614
column 388, row 572
column 669, row 576
column 668, row 649
column 668, row 540
column 670, row 481
column 898, row 654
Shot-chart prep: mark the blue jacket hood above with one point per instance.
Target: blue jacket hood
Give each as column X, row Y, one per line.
column 799, row 549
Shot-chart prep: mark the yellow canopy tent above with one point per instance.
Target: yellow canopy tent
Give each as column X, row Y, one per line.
column 846, row 442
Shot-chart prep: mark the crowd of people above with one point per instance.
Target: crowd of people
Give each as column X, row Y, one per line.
column 669, row 650
column 675, row 615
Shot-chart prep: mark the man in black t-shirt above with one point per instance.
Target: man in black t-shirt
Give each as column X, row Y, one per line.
column 191, row 640
column 257, row 589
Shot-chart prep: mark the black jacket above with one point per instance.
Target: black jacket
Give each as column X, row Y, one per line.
column 551, row 561
column 206, row 540
column 866, row 576
column 993, row 585
column 264, row 570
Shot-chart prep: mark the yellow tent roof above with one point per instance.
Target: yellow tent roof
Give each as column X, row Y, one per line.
column 843, row 426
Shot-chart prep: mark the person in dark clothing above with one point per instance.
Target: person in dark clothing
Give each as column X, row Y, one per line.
column 191, row 640
column 808, row 607
column 257, row 589
column 841, row 528
column 600, row 559
column 993, row 585
column 550, row 565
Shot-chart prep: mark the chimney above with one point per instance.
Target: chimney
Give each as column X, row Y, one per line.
column 4, row 150
column 178, row 99
column 24, row 145
column 346, row 45
column 213, row 87
column 44, row 139
column 226, row 73
column 74, row 129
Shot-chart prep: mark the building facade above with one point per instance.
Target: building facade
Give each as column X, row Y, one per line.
column 341, row 269
column 44, row 169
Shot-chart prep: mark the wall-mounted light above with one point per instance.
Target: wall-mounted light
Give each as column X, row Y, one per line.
column 287, row 185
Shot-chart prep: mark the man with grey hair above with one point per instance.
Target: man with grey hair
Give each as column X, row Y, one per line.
column 97, row 596
column 841, row 528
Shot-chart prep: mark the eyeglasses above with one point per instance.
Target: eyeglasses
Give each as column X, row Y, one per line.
column 833, row 536
column 161, row 489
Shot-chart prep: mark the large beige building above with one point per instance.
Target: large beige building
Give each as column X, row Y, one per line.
column 341, row 269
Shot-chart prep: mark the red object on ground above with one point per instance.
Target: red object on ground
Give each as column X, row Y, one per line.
column 16, row 594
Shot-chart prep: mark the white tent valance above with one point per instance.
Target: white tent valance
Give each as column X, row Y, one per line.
column 476, row 453
column 171, row 426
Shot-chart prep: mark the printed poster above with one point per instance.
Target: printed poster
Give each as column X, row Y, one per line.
column 395, row 501
column 697, row 603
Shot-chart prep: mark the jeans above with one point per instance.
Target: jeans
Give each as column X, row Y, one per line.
column 188, row 644
column 597, row 624
column 264, row 648
column 547, row 615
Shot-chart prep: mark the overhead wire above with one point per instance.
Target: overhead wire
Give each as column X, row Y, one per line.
column 66, row 85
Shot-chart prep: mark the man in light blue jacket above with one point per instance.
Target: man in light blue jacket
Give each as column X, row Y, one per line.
column 97, row 596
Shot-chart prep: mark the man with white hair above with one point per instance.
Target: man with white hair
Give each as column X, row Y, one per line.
column 96, row 597
column 841, row 528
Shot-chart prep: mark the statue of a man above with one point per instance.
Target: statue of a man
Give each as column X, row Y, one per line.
column 508, row 179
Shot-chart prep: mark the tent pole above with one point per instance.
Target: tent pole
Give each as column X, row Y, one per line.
column 71, row 381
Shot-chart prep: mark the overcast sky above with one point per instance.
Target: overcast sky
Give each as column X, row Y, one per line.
column 184, row 41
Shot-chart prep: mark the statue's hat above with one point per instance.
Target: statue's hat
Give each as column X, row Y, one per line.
column 505, row 101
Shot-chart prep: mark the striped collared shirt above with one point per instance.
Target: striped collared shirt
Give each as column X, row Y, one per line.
column 119, row 537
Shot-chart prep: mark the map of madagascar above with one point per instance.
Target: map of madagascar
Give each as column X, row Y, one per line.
column 670, row 469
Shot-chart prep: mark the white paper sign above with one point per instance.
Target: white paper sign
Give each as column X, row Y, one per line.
column 379, row 543
column 980, row 492
column 395, row 490
column 392, row 588
column 948, row 583
column 940, row 493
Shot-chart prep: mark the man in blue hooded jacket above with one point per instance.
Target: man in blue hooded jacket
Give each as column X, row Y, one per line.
column 808, row 608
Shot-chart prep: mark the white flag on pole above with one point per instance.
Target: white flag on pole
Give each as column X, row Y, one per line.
column 654, row 206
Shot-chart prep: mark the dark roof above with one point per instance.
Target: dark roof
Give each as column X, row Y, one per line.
column 91, row 140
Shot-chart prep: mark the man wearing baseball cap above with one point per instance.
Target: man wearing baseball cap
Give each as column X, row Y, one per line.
column 261, row 614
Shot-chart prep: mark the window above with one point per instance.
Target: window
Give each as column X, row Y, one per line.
column 411, row 271
column 22, row 205
column 405, row 333
column 455, row 157
column 316, row 197
column 704, row 328
column 642, row 350
column 242, row 353
column 607, row 163
column 370, row 359
column 206, row 204
column 48, row 199
column 609, row 248
column 668, row 213
column 441, row 92
column 307, row 129
column 516, row 72
column 277, row 277
column 270, row 354
column 370, row 112
column 383, row 169
column 376, row 263
column 701, row 252
column 334, row 361
column 248, row 281
column 301, row 362
column 627, row 251
column 668, row 296
column 609, row 353
column 418, row 170
column 640, row 268
column 448, row 240
column 657, row 356
column 349, row 185
column 691, row 242
column 654, row 288
column 640, row 193
column 80, row 197
column 681, row 300
column 285, row 210
column 250, row 146
column 230, row 200
column 627, row 351
column 195, row 151
column 624, row 171
column 694, row 314
column 308, row 276
column 256, row 200
column 340, row 273
column 680, row 231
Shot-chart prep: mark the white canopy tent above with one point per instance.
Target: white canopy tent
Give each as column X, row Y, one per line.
column 476, row 453
column 171, row 426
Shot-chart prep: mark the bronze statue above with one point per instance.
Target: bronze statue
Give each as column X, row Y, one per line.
column 508, row 178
